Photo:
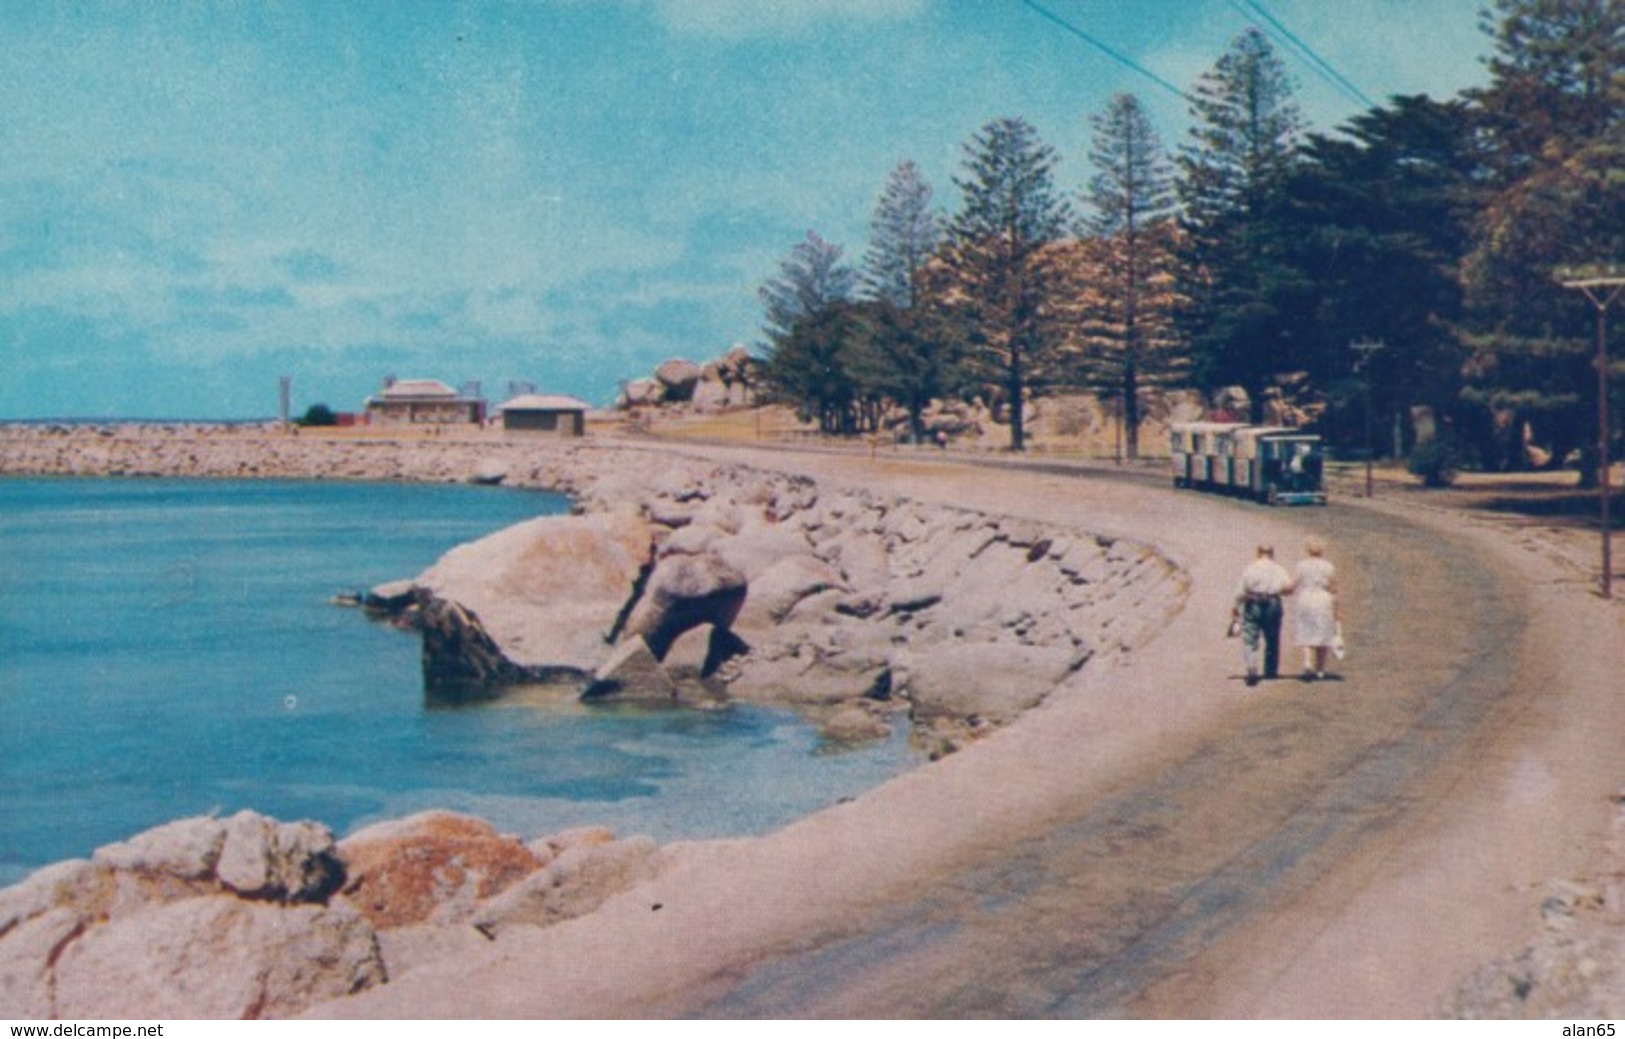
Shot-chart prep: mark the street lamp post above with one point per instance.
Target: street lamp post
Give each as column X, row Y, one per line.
column 1366, row 348
column 1602, row 292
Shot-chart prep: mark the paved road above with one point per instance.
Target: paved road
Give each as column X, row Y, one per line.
column 1231, row 828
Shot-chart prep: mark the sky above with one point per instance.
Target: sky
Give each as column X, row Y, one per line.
column 198, row 199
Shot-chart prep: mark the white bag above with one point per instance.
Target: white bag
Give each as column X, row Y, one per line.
column 1340, row 649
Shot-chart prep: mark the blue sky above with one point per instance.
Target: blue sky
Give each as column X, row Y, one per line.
column 196, row 199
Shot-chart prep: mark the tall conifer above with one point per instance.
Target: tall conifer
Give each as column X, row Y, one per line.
column 1127, row 299
column 909, row 356
column 996, row 260
column 1244, row 297
column 1553, row 117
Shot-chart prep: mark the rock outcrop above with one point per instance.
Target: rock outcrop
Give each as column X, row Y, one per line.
column 726, row 382
column 678, row 377
column 430, row 868
column 706, row 579
column 574, row 883
column 248, row 917
column 216, row 957
column 199, row 918
column 548, row 592
column 685, row 592
column 460, row 656
column 632, row 671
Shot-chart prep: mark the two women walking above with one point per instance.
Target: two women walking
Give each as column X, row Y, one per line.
column 1258, row 611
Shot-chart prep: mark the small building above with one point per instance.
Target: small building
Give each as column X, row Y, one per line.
column 545, row 413
column 406, row 402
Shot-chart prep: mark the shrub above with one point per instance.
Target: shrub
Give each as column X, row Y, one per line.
column 319, row 415
column 1437, row 462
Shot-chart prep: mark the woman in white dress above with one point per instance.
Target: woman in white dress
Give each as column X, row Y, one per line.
column 1314, row 608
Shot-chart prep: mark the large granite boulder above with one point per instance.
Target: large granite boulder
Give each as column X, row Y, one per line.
column 549, row 591
column 710, row 393
column 264, row 859
column 573, row 884
column 991, row 681
column 198, row 918
column 249, row 854
column 460, row 656
column 758, row 545
column 434, row 867
column 644, row 393
column 216, row 958
column 784, row 585
column 685, row 592
column 632, row 670
column 679, row 377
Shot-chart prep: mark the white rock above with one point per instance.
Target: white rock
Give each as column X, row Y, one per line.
column 219, row 958
column 577, row 572
column 777, row 590
column 574, row 884
column 186, row 849
column 291, row 862
column 993, row 681
column 26, row 955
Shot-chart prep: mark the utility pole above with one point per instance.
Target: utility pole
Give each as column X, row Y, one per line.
column 1117, row 440
column 1602, row 291
column 1367, row 348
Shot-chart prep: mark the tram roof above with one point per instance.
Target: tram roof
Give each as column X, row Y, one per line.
column 1207, row 427
column 1274, row 431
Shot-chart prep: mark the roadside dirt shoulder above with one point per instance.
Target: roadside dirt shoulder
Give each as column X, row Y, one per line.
column 1561, row 765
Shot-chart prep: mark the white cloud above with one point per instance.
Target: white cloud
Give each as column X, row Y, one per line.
column 740, row 19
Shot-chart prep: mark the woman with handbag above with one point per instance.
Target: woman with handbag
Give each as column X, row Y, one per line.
column 1315, row 623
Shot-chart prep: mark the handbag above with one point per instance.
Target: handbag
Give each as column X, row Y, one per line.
column 1340, row 648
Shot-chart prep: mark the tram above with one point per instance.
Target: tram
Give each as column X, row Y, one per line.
column 1270, row 464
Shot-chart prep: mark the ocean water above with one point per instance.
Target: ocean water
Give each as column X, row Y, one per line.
column 168, row 648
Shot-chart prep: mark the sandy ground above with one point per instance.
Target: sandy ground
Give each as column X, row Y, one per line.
column 1155, row 840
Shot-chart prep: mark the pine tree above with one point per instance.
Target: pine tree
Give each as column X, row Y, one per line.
column 812, row 366
column 809, row 320
column 1126, row 301
column 997, row 270
column 1385, row 208
column 908, row 355
column 809, row 279
column 903, row 236
column 1245, row 299
column 1553, row 117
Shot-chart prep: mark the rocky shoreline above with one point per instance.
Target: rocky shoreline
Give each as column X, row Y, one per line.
column 860, row 607
column 248, row 917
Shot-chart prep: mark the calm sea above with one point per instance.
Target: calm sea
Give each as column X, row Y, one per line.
column 167, row 648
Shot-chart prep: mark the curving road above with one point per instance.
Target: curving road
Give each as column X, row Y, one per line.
column 1253, row 814
column 1158, row 840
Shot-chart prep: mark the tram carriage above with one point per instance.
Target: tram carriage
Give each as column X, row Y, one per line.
column 1270, row 464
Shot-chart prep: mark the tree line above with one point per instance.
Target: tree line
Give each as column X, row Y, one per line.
column 1405, row 265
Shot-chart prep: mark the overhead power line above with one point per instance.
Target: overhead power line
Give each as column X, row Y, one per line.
column 1105, row 49
column 1304, row 51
